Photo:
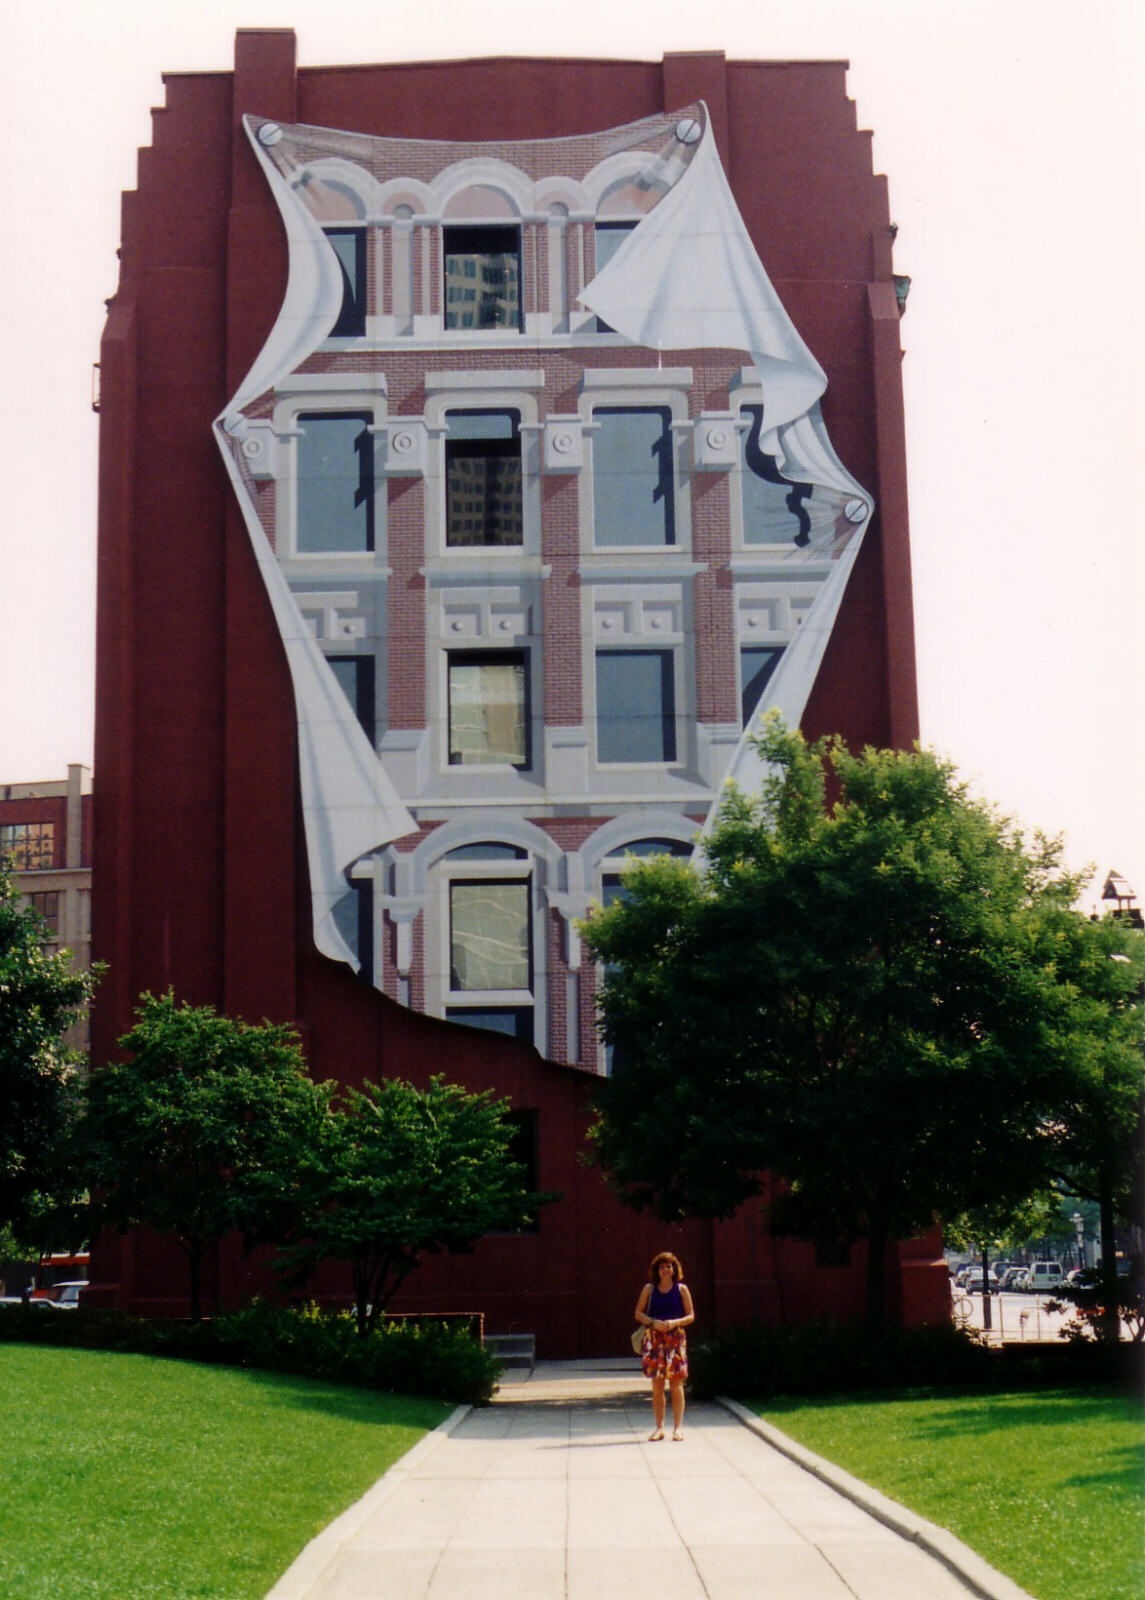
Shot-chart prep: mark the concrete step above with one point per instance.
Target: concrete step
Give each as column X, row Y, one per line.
column 513, row 1349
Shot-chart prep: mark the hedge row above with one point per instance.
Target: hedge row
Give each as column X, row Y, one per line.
column 439, row 1360
column 761, row 1362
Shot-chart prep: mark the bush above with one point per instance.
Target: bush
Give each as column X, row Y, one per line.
column 438, row 1360
column 824, row 1358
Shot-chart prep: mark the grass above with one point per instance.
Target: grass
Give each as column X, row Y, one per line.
column 1048, row 1486
column 132, row 1477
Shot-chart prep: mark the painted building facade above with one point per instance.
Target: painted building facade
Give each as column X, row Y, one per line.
column 557, row 435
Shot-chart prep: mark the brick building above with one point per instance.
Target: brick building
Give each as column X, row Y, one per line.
column 526, row 494
column 46, row 839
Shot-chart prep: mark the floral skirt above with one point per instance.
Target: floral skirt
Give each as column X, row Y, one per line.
column 665, row 1355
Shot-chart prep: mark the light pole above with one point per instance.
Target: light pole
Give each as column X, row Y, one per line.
column 1079, row 1223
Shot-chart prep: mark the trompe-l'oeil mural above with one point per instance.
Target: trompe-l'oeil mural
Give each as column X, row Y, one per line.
column 521, row 403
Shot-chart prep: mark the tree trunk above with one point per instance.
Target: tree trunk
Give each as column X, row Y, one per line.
column 1110, row 1288
column 987, row 1306
column 195, row 1261
column 876, row 1274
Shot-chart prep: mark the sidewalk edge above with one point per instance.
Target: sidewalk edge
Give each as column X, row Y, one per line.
column 978, row 1575
column 301, row 1578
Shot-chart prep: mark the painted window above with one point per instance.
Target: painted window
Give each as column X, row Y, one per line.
column 356, row 679
column 350, row 248
column 28, row 846
column 354, row 919
column 482, row 277
column 609, row 237
column 488, row 708
column 757, row 663
column 335, row 483
column 635, row 706
column 632, row 481
column 516, row 1021
column 490, row 935
column 772, row 506
column 483, row 497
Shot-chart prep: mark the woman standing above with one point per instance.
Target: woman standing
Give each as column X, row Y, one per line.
column 665, row 1309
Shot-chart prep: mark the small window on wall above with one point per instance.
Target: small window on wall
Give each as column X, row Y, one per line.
column 490, row 935
column 350, row 248
column 354, row 920
column 609, row 238
column 47, row 906
column 756, row 667
column 355, row 675
column 28, row 846
column 515, row 1021
column 483, row 499
column 633, row 494
column 488, row 708
column 482, row 277
column 772, row 506
column 635, row 706
column 335, row 483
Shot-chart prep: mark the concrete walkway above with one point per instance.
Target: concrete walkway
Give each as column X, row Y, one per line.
column 554, row 1492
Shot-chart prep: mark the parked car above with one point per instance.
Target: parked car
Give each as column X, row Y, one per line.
column 18, row 1300
column 1043, row 1275
column 1016, row 1280
column 66, row 1296
column 972, row 1282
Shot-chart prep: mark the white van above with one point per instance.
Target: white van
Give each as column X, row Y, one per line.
column 1042, row 1275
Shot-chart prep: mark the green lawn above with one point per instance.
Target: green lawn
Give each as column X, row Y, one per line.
column 1049, row 1487
column 142, row 1479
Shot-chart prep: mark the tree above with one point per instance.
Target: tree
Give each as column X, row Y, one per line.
column 201, row 1131
column 398, row 1172
column 883, row 1003
column 40, row 996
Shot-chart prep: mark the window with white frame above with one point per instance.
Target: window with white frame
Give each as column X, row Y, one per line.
column 349, row 245
column 633, row 481
column 635, row 706
column 334, row 483
column 484, row 503
column 609, row 236
column 490, row 939
column 488, row 707
column 482, row 265
column 757, row 664
column 356, row 677
column 772, row 505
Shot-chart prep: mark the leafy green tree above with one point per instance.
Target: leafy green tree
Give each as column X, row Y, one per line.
column 398, row 1172
column 201, row 1131
column 882, row 1002
column 40, row 996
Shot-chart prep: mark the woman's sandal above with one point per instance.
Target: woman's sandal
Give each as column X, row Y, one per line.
column 677, row 1437
column 657, row 1433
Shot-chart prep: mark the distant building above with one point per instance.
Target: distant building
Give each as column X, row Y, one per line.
column 46, row 838
column 521, row 504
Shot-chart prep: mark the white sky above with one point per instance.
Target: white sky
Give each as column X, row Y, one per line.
column 1012, row 135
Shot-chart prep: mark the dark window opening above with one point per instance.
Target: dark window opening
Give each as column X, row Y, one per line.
column 482, row 277
column 350, row 248
column 635, row 706
column 335, row 482
column 355, row 675
column 757, row 665
column 483, row 484
column 633, row 492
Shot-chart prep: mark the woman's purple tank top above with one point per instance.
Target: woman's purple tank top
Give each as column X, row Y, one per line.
column 665, row 1307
